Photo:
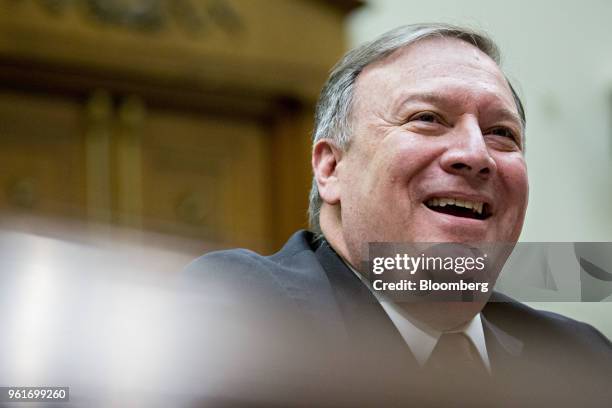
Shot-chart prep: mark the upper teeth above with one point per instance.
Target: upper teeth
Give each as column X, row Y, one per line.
column 441, row 202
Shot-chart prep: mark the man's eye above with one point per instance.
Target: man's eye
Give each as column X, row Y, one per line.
column 502, row 131
column 426, row 117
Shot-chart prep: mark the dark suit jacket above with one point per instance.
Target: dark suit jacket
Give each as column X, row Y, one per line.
column 301, row 329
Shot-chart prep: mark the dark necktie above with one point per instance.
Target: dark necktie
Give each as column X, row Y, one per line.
column 455, row 375
column 455, row 356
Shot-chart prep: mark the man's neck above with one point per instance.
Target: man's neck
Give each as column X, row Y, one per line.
column 332, row 231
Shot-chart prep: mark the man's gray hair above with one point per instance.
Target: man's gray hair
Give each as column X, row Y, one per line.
column 333, row 110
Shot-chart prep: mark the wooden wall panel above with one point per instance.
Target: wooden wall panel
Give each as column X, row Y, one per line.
column 208, row 178
column 42, row 156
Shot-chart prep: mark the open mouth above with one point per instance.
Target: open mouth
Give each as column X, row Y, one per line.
column 476, row 210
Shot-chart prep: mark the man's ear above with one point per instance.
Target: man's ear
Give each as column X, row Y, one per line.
column 325, row 159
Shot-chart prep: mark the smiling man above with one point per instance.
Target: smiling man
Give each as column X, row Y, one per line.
column 419, row 138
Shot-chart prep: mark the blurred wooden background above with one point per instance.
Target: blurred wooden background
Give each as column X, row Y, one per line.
column 185, row 117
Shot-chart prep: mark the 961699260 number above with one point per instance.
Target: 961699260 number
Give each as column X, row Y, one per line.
column 31, row 394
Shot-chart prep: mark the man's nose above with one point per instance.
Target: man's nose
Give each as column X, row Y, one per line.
column 468, row 154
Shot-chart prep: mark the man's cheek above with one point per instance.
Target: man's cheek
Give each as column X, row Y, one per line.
column 513, row 179
column 513, row 170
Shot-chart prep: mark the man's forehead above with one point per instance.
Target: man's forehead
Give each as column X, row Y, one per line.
column 432, row 52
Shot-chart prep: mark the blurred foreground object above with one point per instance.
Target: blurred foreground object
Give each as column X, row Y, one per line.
column 90, row 307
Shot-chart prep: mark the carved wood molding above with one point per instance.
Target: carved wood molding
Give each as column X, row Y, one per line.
column 193, row 16
column 260, row 46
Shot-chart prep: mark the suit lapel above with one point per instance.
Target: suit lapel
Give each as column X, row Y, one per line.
column 368, row 326
column 504, row 350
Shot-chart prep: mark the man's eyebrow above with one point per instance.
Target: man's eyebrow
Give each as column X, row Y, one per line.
column 429, row 97
column 443, row 101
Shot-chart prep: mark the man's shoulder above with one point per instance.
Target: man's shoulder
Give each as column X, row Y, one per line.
column 278, row 291
column 293, row 272
column 295, row 253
